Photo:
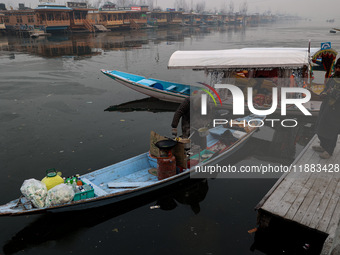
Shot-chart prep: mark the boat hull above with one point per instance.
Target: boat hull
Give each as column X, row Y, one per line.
column 156, row 92
column 161, row 95
column 101, row 179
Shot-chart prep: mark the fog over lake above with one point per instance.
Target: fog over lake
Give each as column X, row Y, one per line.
column 326, row 9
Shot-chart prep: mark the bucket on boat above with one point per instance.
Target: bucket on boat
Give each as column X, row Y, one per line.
column 203, row 132
column 52, row 179
column 185, row 142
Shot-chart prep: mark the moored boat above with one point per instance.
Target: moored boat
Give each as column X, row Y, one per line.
column 136, row 176
column 164, row 90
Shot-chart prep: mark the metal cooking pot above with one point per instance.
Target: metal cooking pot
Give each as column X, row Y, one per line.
column 166, row 144
column 204, row 131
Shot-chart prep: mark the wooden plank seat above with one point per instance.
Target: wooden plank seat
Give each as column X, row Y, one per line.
column 115, row 185
column 184, row 91
column 172, row 87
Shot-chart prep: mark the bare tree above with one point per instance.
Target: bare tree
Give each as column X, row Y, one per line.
column 150, row 4
column 244, row 8
column 223, row 9
column 215, row 10
column 132, row 2
column 231, row 7
column 122, row 3
column 200, row 7
column 181, row 5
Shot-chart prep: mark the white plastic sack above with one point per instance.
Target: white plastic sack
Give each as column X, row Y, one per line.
column 35, row 191
column 59, row 194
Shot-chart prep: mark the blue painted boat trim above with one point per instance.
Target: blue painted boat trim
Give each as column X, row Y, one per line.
column 142, row 82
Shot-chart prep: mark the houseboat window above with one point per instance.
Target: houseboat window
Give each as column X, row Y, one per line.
column 65, row 16
column 30, row 19
column 19, row 19
column 50, row 16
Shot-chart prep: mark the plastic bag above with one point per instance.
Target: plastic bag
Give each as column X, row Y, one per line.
column 59, row 194
column 35, row 191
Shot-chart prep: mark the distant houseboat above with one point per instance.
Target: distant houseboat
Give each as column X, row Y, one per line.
column 158, row 18
column 79, row 19
column 175, row 18
column 133, row 18
column 19, row 20
column 53, row 17
column 2, row 22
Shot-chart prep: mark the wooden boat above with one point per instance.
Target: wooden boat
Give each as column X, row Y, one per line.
column 133, row 177
column 38, row 34
column 164, row 90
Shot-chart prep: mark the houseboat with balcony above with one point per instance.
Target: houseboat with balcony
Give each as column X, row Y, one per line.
column 158, row 18
column 191, row 19
column 53, row 17
column 130, row 17
column 18, row 20
column 79, row 19
column 175, row 18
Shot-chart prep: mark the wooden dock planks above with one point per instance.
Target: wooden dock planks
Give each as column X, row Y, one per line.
column 310, row 198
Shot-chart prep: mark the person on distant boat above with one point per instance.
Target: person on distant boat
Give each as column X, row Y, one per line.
column 328, row 123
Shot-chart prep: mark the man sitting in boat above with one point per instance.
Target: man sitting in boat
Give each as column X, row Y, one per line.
column 328, row 123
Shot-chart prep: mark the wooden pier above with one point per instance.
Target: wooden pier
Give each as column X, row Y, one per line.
column 309, row 198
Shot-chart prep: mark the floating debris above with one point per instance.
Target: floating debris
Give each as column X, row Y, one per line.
column 155, row 207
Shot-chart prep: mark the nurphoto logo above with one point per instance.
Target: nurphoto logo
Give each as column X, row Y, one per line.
column 239, row 102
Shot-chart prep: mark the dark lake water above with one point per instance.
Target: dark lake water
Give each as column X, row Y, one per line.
column 53, row 99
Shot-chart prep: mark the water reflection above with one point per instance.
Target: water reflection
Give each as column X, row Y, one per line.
column 57, row 226
column 192, row 196
column 289, row 239
column 148, row 104
column 95, row 44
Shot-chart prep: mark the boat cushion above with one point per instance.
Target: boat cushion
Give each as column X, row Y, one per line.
column 146, row 82
column 157, row 86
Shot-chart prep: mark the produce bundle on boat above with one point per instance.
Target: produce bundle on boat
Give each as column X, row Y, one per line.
column 35, row 191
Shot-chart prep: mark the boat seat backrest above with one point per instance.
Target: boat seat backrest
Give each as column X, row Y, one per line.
column 185, row 91
column 146, row 82
column 157, row 85
column 172, row 87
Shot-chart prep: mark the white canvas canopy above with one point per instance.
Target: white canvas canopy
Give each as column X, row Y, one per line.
column 246, row 58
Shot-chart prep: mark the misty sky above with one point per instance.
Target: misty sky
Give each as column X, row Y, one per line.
column 327, row 9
